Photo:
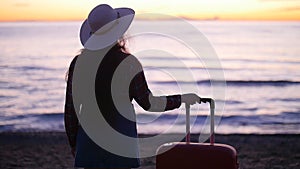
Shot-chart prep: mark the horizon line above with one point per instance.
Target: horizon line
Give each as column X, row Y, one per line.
column 160, row 19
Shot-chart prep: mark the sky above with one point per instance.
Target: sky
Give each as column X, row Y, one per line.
column 61, row 10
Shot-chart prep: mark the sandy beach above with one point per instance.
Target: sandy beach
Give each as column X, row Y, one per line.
column 50, row 150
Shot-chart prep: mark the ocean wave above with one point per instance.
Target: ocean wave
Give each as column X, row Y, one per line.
column 284, row 118
column 30, row 68
column 38, row 116
column 275, row 83
column 285, row 99
column 181, row 58
column 259, row 61
column 231, row 102
column 263, row 83
column 32, row 122
column 187, row 68
column 54, row 121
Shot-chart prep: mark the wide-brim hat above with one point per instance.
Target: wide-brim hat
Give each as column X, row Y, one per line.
column 105, row 26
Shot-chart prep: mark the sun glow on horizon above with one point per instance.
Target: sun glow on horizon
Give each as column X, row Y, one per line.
column 55, row 10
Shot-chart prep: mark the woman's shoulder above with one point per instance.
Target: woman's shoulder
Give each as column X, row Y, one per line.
column 133, row 63
column 72, row 64
column 128, row 56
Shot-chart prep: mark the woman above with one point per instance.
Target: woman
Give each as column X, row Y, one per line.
column 97, row 33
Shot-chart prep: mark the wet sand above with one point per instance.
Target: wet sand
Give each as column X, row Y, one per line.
column 45, row 150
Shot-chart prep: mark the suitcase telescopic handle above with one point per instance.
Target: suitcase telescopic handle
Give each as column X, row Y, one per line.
column 212, row 121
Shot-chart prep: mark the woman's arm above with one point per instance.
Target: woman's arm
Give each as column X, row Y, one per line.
column 141, row 93
column 70, row 117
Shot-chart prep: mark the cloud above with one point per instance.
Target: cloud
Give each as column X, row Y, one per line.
column 20, row 4
column 286, row 8
column 295, row 8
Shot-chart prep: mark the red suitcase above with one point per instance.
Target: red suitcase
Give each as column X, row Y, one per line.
column 186, row 155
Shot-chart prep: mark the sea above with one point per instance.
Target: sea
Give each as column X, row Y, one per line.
column 258, row 64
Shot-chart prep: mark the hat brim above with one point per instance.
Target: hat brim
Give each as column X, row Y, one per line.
column 109, row 33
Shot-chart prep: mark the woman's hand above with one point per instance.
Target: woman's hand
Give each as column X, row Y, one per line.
column 190, row 98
